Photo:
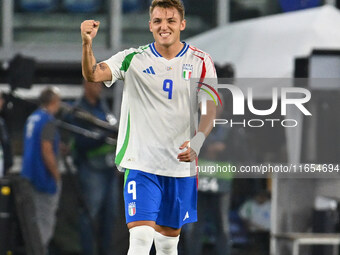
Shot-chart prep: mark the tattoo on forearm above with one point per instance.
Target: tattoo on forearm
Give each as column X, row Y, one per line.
column 94, row 67
column 102, row 67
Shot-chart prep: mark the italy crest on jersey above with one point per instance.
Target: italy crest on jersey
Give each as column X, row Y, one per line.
column 187, row 70
column 132, row 208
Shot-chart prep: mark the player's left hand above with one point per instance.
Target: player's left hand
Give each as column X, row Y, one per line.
column 186, row 156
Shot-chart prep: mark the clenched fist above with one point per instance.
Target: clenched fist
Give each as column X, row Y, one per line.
column 89, row 29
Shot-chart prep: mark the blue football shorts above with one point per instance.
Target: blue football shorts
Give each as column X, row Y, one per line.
column 169, row 201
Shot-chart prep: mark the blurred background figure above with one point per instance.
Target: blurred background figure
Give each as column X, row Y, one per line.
column 6, row 157
column 255, row 213
column 212, row 233
column 40, row 166
column 213, row 201
column 94, row 159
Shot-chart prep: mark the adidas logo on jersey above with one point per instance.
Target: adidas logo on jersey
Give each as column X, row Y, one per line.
column 149, row 70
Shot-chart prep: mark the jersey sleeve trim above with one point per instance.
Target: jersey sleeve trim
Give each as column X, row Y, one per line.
column 120, row 63
column 204, row 69
column 208, row 71
column 127, row 60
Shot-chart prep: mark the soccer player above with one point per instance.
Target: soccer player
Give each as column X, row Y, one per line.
column 158, row 113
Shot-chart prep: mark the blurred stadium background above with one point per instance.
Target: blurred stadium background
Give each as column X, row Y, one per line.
column 247, row 39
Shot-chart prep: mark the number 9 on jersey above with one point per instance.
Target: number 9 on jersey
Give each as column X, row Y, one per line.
column 167, row 87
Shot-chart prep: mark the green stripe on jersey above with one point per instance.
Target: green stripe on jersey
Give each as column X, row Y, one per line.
column 126, row 174
column 122, row 151
column 127, row 60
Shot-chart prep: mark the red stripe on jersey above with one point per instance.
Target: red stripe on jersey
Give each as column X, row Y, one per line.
column 212, row 62
column 195, row 49
column 204, row 70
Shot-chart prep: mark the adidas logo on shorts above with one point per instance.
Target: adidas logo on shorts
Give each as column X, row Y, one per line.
column 186, row 216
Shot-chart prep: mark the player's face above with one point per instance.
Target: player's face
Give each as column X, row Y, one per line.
column 166, row 25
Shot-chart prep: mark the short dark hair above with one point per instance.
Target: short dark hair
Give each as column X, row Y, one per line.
column 48, row 95
column 168, row 4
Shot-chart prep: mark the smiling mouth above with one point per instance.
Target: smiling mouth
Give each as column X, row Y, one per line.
column 165, row 34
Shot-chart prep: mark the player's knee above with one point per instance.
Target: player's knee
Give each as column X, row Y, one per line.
column 141, row 238
column 142, row 235
column 166, row 245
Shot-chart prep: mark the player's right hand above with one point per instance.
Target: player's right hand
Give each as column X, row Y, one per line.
column 187, row 156
column 89, row 29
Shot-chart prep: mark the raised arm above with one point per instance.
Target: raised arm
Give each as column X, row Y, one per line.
column 92, row 71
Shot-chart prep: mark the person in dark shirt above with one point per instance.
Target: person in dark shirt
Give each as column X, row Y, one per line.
column 94, row 159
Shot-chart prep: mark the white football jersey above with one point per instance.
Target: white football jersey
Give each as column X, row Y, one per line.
column 159, row 107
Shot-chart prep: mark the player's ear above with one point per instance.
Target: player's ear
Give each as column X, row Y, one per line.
column 150, row 26
column 183, row 24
